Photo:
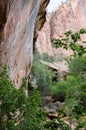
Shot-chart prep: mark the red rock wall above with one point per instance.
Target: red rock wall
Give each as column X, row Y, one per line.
column 43, row 41
column 17, row 23
column 70, row 16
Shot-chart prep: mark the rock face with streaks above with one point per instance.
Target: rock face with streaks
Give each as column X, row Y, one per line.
column 17, row 24
column 43, row 41
column 70, row 16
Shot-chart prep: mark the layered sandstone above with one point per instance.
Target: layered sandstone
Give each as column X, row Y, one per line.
column 17, row 24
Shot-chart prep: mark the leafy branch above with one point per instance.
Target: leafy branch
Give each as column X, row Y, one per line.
column 72, row 41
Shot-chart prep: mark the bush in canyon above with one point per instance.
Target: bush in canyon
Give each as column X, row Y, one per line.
column 44, row 75
column 57, row 124
column 17, row 110
column 73, row 91
column 76, row 64
column 58, row 90
column 75, row 84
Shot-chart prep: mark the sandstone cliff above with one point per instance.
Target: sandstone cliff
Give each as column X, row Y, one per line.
column 43, row 41
column 70, row 16
column 17, row 23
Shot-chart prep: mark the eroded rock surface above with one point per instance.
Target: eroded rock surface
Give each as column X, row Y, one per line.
column 17, row 23
column 43, row 41
column 70, row 16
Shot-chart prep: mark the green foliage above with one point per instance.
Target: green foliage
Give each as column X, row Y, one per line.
column 58, row 90
column 72, row 41
column 18, row 111
column 81, row 125
column 42, row 72
column 73, row 90
column 34, row 116
column 74, row 87
column 57, row 124
column 77, row 65
column 47, row 58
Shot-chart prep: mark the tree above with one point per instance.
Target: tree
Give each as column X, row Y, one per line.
column 75, row 85
column 42, row 72
column 72, row 41
column 17, row 110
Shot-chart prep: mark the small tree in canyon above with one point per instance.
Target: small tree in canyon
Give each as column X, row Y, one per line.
column 75, row 85
column 17, row 110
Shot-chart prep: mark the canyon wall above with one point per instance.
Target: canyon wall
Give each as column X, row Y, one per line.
column 70, row 16
column 17, row 24
column 43, row 41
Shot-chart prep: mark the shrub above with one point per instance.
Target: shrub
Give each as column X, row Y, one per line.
column 56, row 124
column 58, row 90
column 17, row 110
column 44, row 75
column 74, row 88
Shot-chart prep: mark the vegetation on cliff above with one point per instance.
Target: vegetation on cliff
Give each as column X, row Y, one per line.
column 72, row 90
column 18, row 111
column 23, row 110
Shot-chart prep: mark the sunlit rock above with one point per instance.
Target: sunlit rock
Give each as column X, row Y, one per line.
column 70, row 16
